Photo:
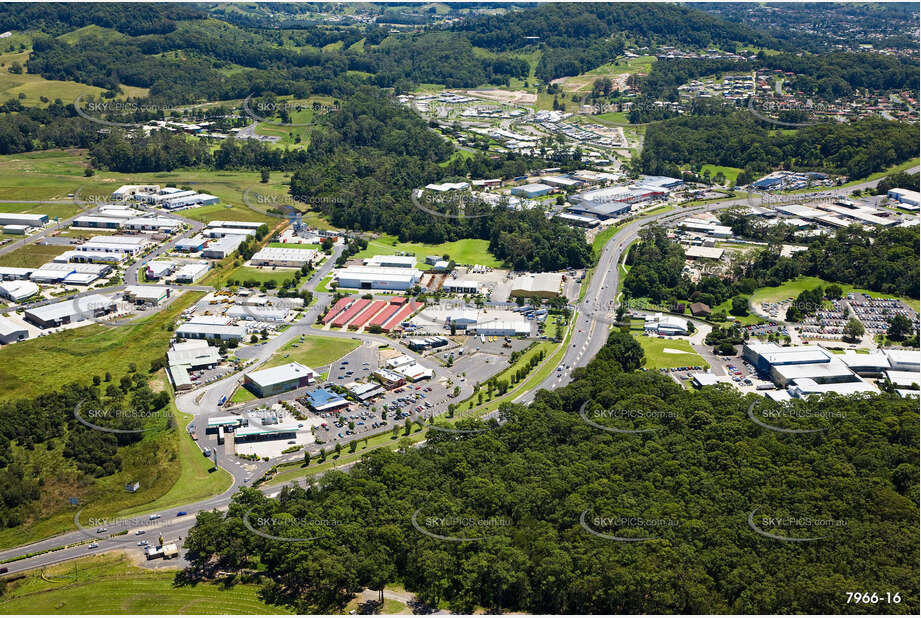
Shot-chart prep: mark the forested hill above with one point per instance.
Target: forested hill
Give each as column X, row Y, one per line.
column 132, row 18
column 549, row 500
column 577, row 37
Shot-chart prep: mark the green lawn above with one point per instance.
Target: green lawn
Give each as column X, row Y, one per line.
column 247, row 273
column 793, row 287
column 315, row 351
column 241, row 395
column 731, row 173
column 467, row 251
column 744, row 320
column 61, row 211
column 38, row 365
column 32, row 255
column 658, row 358
column 111, row 584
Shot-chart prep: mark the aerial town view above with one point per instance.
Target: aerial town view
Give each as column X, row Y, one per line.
column 535, row 308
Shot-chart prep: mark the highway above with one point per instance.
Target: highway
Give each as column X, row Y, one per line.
column 593, row 318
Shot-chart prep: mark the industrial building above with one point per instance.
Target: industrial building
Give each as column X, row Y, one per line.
column 704, row 226
column 191, row 272
column 13, row 273
column 122, row 247
column 462, row 319
column 378, row 278
column 873, row 364
column 220, row 232
column 804, row 370
column 540, row 285
column 153, row 224
column 579, row 220
column 243, row 225
column 191, row 245
column 70, row 311
column 276, row 380
column 562, row 182
column 157, row 269
column 13, row 218
column 151, row 295
column 10, row 331
column 391, row 261
column 222, row 248
column 905, row 197
column 532, row 190
column 76, row 274
column 665, row 324
column 406, row 367
column 283, row 256
column 707, row 253
column 126, row 192
column 16, row 229
column 17, row 291
column 97, row 222
column 224, row 332
column 502, row 328
column 259, row 314
column 426, row 343
column 195, row 354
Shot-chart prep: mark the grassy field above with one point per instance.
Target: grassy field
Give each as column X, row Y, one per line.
column 37, row 365
column 32, row 255
column 658, row 358
column 111, row 584
column 53, row 174
column 293, row 245
column 744, row 320
column 793, row 287
column 61, row 211
column 731, row 173
column 246, row 273
column 613, row 118
column 467, row 251
column 315, row 351
column 196, row 480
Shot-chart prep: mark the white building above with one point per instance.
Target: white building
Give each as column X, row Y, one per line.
column 189, row 273
column 283, row 256
column 223, row 332
column 11, row 332
column 904, row 360
column 906, row 197
column 502, row 328
column 157, row 269
column 378, row 278
column 391, row 261
column 665, row 324
column 70, row 311
column 17, row 290
column 222, row 248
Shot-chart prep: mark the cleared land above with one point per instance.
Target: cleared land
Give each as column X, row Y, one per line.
column 35, row 366
column 658, row 358
column 32, row 255
column 467, row 251
column 111, row 584
column 315, row 351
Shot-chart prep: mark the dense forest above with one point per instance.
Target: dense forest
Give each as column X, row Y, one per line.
column 40, row 423
column 879, row 260
column 739, row 139
column 522, row 490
